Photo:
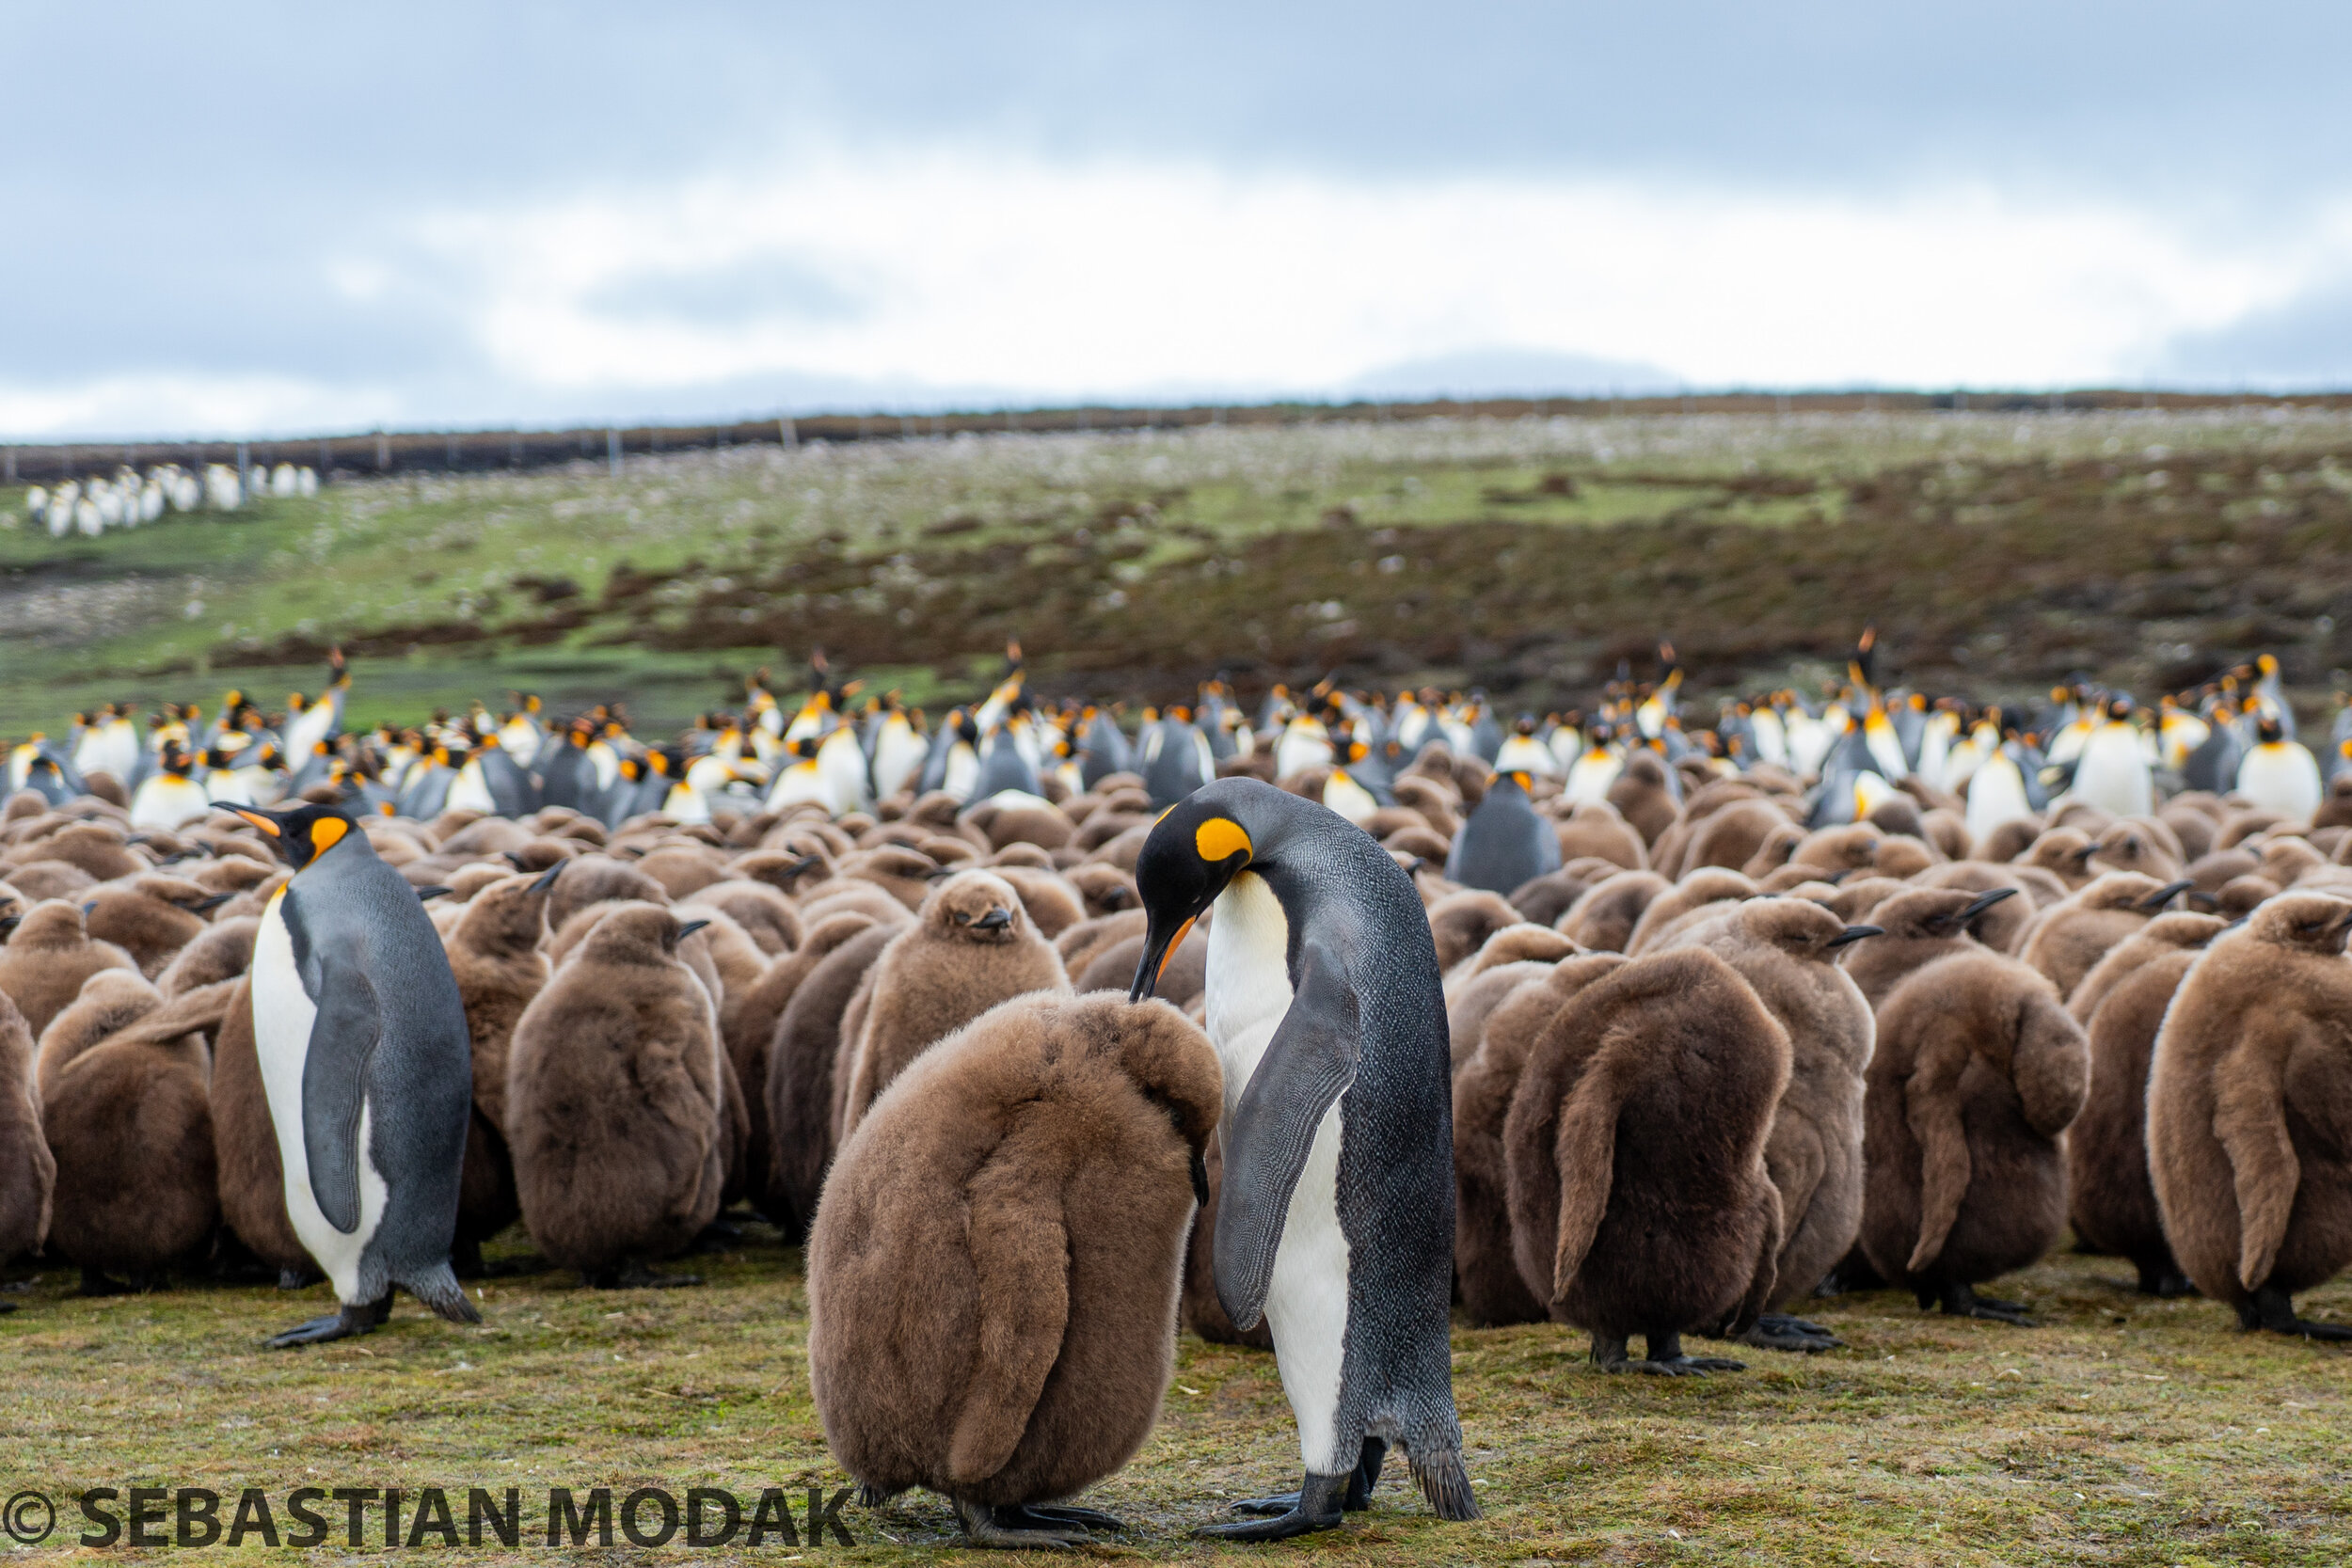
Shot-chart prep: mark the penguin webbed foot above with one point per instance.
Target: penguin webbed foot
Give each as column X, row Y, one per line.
column 1781, row 1332
column 354, row 1319
column 718, row 1236
column 1958, row 1301
column 2165, row 1284
column 1361, row 1481
column 298, row 1279
column 1051, row 1516
column 1318, row 1505
column 635, row 1276
column 1018, row 1529
column 2273, row 1312
column 1666, row 1358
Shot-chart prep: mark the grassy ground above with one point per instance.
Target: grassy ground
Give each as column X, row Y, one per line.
column 2124, row 1432
column 1997, row 552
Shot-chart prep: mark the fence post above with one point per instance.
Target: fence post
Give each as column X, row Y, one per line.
column 790, row 437
column 612, row 451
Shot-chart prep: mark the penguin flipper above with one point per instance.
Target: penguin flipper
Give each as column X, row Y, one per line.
column 2250, row 1122
column 1932, row 1108
column 342, row 1037
column 1019, row 1244
column 1308, row 1065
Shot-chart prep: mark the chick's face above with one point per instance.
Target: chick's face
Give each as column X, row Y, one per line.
column 976, row 908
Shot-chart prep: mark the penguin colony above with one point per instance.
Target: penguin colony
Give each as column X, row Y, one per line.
column 127, row 498
column 1650, row 1032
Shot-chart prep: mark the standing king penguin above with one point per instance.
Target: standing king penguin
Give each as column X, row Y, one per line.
column 1335, row 1218
column 361, row 1034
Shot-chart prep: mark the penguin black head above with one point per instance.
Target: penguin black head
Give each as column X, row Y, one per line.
column 1194, row 851
column 300, row 834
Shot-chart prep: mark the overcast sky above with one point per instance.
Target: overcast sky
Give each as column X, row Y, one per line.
column 243, row 217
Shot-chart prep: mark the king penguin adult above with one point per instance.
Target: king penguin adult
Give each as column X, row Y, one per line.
column 1335, row 1219
column 361, row 1034
column 1504, row 845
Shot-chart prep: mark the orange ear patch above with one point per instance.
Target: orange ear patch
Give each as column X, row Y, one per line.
column 326, row 832
column 1220, row 838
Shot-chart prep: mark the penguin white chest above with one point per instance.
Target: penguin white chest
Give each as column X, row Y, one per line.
column 283, row 1014
column 1306, row 1303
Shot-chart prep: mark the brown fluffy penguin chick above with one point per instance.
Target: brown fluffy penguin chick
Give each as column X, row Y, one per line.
column 1635, row 1147
column 1460, row 923
column 28, row 1172
column 971, row 947
column 2249, row 1113
column 48, row 956
column 2110, row 1200
column 1978, row 1073
column 1692, row 896
column 223, row 951
column 1603, row 919
column 1999, row 927
column 1917, row 926
column 1485, row 1268
column 1787, row 950
column 2140, row 844
column 128, row 1121
column 251, row 1181
column 494, row 952
column 993, row 1272
column 2173, row 931
column 613, row 1103
column 802, row 1098
column 747, row 1026
column 151, row 919
column 1644, row 797
column 2067, row 940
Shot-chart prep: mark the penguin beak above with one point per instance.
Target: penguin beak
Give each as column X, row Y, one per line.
column 10, row 923
column 547, row 878
column 1982, row 902
column 215, row 901
column 513, row 858
column 255, row 817
column 426, row 894
column 689, row 927
column 1855, row 933
column 1157, row 952
column 2165, row 894
column 994, row 920
column 2082, row 856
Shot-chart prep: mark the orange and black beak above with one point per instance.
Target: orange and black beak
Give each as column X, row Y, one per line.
column 1159, row 951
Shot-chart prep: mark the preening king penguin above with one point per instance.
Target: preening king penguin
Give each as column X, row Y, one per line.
column 1335, row 1219
column 368, row 1071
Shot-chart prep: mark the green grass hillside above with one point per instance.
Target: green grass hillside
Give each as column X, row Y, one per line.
column 1996, row 551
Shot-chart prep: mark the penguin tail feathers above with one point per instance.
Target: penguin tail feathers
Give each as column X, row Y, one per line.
column 438, row 1288
column 1444, row 1482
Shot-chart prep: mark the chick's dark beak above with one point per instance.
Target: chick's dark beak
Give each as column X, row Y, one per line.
column 2165, row 894
column 1982, row 902
column 1855, row 933
column 996, row 919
